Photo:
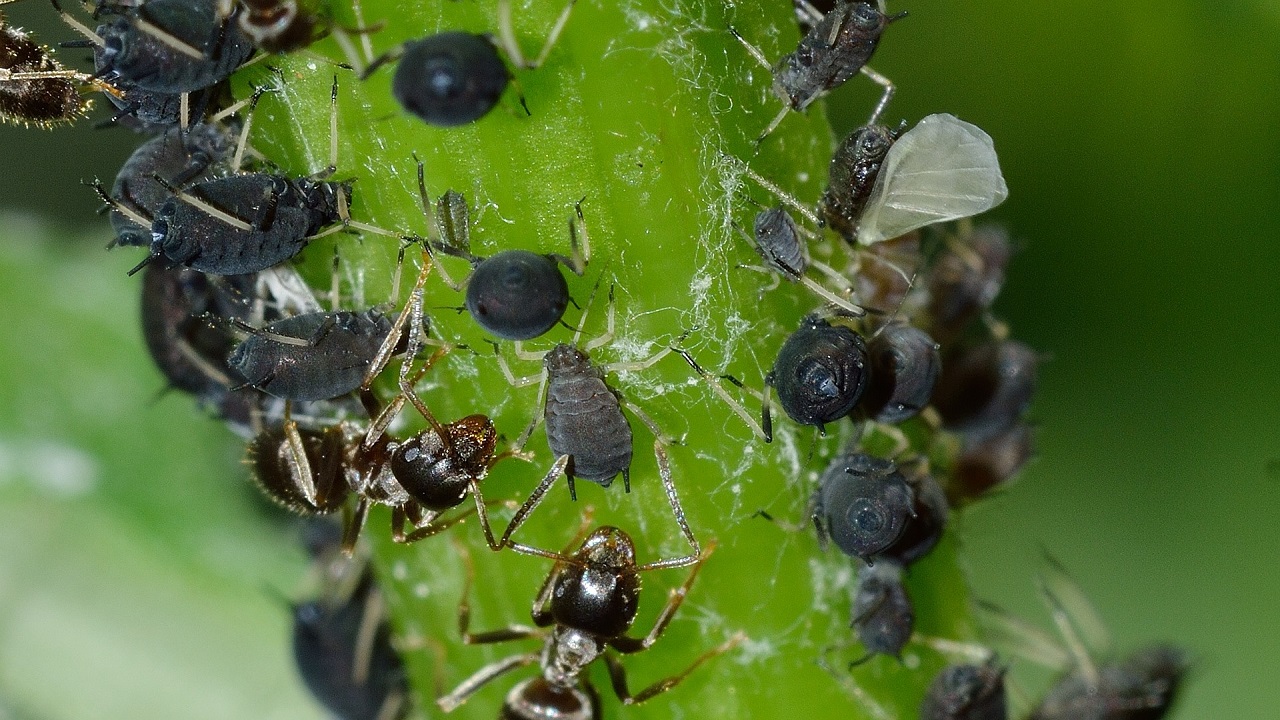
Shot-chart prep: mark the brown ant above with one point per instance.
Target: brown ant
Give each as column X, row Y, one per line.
column 589, row 601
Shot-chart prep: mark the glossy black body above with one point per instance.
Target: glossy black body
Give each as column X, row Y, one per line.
column 820, row 372
column 584, row 419
column 779, row 243
column 984, row 390
column 449, row 79
column 43, row 102
column 517, row 295
column 818, row 65
column 904, row 369
column 186, row 235
column 340, row 347
column 966, row 692
column 437, row 471
column 883, row 616
column 990, row 463
column 924, row 529
column 534, row 699
column 852, row 175
column 326, row 650
column 133, row 57
column 196, row 155
column 174, row 304
column 862, row 504
column 1142, row 687
column 268, row 456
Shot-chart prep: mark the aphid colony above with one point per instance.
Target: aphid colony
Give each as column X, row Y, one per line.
column 900, row 343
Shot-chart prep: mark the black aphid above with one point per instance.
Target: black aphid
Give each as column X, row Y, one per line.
column 983, row 466
column 925, row 527
column 883, row 616
column 1141, row 687
column 455, row 78
column 782, row 245
column 851, row 176
column 515, row 294
column 300, row 469
column 966, row 692
column 166, row 46
column 863, row 504
column 589, row 601
column 197, row 154
column 838, row 46
column 820, row 373
column 984, row 390
column 35, row 89
column 343, row 651
column 966, row 278
column 904, row 369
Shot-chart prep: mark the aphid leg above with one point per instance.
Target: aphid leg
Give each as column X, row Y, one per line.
column 773, row 125
column 389, row 56
column 698, row 556
column 531, row 504
column 1084, row 616
column 618, row 674
column 1021, row 638
column 751, row 49
column 1079, row 653
column 243, row 142
column 850, row 686
column 885, row 97
column 142, row 23
column 372, row 615
column 579, row 255
column 511, row 632
column 968, row 651
column 764, row 432
column 78, row 26
column 412, row 311
column 299, row 466
column 816, row 513
column 807, row 12
column 606, row 337
column 507, row 36
column 366, row 43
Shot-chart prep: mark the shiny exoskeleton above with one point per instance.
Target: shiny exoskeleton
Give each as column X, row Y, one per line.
column 515, row 294
column 313, row 356
column 264, row 220
column 302, row 470
column 178, row 156
column 820, row 373
column 1141, row 687
column 455, row 78
column 983, row 466
column 966, row 692
column 863, row 504
column 851, row 176
column 589, row 601
column 778, row 242
column 904, row 369
column 279, row 26
column 35, row 89
column 342, row 648
column 925, row 526
column 883, row 616
column 201, row 48
column 984, row 390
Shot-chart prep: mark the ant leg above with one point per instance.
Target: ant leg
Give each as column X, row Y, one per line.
column 507, row 35
column 412, row 311
column 531, row 504
column 511, row 632
column 540, row 611
column 885, row 97
column 354, row 523
column 627, row 644
column 763, row 431
column 482, row 677
column 618, row 674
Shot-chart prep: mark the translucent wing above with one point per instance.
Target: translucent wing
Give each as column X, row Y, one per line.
column 942, row 169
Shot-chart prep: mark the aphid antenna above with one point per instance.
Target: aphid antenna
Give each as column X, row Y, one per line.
column 134, row 214
column 507, row 37
column 580, row 253
column 1084, row 615
column 89, row 35
column 969, row 651
column 787, row 198
column 1023, row 639
column 1070, row 636
column 812, row 15
column 851, row 687
column 210, row 209
column 761, row 432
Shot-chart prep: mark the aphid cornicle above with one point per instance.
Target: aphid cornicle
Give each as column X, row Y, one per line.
column 343, row 652
column 454, row 78
column 514, row 294
column 883, row 616
column 838, row 46
column 820, row 373
column 35, row 89
column 589, row 601
column 863, row 504
column 966, row 692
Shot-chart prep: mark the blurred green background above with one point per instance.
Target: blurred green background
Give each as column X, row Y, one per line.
column 1141, row 144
